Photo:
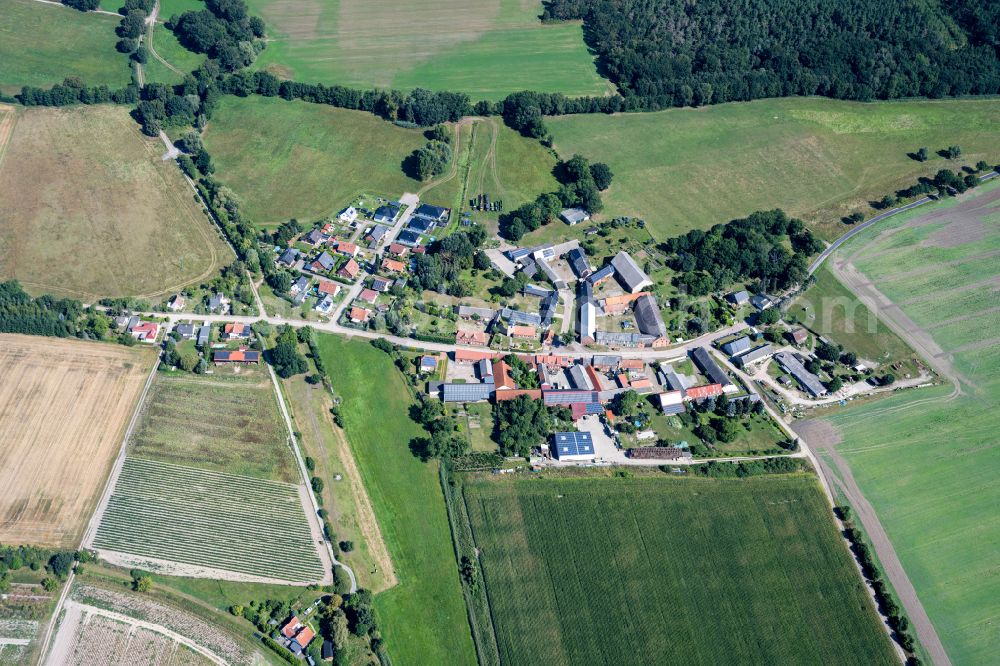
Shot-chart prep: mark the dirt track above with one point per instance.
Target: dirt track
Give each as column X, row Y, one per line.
column 52, row 469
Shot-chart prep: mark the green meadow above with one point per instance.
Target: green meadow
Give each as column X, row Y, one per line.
column 295, row 159
column 819, row 159
column 663, row 570
column 928, row 460
column 40, row 45
column 486, row 48
column 423, row 619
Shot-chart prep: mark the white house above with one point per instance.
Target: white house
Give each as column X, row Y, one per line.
column 348, row 215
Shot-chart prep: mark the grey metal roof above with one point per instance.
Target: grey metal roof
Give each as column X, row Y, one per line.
column 588, row 320
column 519, row 317
column 574, row 215
column 185, row 330
column 739, row 297
column 549, row 305
column 648, row 318
column 616, row 339
column 707, row 364
column 377, row 232
column 675, row 381
column 552, row 275
column 572, row 444
column 629, row 273
column 754, row 355
column 484, row 368
column 325, row 260
column 606, row 360
column 806, row 379
column 535, row 290
column 467, row 392
column 204, row 334
column 518, row 253
column 469, row 311
column 737, row 346
column 579, row 378
column 578, row 261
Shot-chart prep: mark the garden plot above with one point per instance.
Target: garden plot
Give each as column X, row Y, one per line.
column 188, row 521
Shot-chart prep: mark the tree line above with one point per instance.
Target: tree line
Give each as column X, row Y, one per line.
column 225, row 31
column 743, row 249
column 685, row 54
column 50, row 316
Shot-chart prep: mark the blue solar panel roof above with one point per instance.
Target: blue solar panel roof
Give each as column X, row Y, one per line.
column 573, row 444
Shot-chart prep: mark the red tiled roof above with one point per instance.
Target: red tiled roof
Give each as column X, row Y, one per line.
column 397, row 249
column 467, row 355
column 706, row 391
column 631, row 364
column 643, row 383
column 289, row 629
column 328, row 287
column 501, row 376
column 369, row 295
column 350, row 269
column 235, row 328
column 305, row 636
column 393, row 265
column 523, row 331
column 502, row 396
column 471, row 338
column 360, row 314
column 349, row 249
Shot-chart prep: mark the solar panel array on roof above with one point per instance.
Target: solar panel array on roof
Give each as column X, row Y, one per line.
column 407, row 237
column 568, row 397
column 572, row 444
column 466, row 392
column 519, row 317
column 601, row 274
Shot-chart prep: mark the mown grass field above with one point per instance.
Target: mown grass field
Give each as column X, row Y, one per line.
column 486, row 48
column 40, row 45
column 294, row 159
column 91, row 210
column 815, row 158
column 226, row 426
column 423, row 618
column 168, row 48
column 928, row 460
column 602, row 570
column 209, row 519
column 830, row 309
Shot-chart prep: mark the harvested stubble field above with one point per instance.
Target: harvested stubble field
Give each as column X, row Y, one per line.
column 91, row 210
column 219, row 425
column 927, row 460
column 65, row 405
column 687, row 571
column 40, row 45
column 819, row 159
column 194, row 517
column 486, row 48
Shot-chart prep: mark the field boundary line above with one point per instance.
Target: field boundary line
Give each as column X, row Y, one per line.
column 314, row 514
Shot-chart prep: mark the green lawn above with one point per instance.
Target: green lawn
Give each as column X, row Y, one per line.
column 486, row 48
column 40, row 45
column 294, row 159
column 423, row 618
column 815, row 158
column 601, row 570
column 170, row 49
column 834, row 312
column 928, row 462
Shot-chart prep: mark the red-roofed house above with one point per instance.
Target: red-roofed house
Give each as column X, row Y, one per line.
column 631, row 364
column 304, row 637
column 466, row 356
column 368, row 295
column 291, row 628
column 349, row 270
column 242, row 355
column 145, row 331
column 501, row 376
column 393, row 266
column 477, row 338
column 328, row 288
column 360, row 315
column 706, row 391
column 397, row 249
column 349, row 249
column 642, row 384
column 236, row 331
column 523, row 332
column 503, row 396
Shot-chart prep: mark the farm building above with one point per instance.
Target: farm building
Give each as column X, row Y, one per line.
column 476, row 338
column 605, row 361
column 467, row 392
column 535, row 290
column 672, row 402
column 578, row 262
column 574, row 216
column 348, row 215
column 468, row 356
column 754, row 355
column 648, row 318
column 522, row 331
column 631, row 277
column 620, row 303
column 658, row 453
column 799, row 335
column 588, row 322
column 484, row 370
column 470, row 312
column 737, row 346
column 569, row 446
column 221, row 356
column 703, row 359
column 601, row 274
column 501, row 376
column 349, row 270
column 521, row 317
column 807, row 380
column 702, row 392
column 324, row 262
column 578, row 377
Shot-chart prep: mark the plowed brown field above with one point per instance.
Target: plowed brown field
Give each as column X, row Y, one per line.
column 64, row 405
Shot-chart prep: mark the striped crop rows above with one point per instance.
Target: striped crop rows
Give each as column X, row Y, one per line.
column 211, row 519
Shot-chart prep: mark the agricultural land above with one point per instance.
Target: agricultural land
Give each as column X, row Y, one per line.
column 306, row 161
column 212, row 456
column 656, row 558
column 52, row 470
column 409, row 505
column 95, row 212
column 818, row 159
column 42, row 44
column 485, row 48
column 927, row 460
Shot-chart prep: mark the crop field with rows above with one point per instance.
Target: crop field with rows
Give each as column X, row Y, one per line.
column 692, row 571
column 223, row 426
column 210, row 519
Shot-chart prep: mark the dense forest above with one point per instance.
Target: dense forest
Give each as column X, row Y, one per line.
column 714, row 51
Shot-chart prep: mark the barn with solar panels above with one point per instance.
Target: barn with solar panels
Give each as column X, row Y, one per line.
column 569, row 446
